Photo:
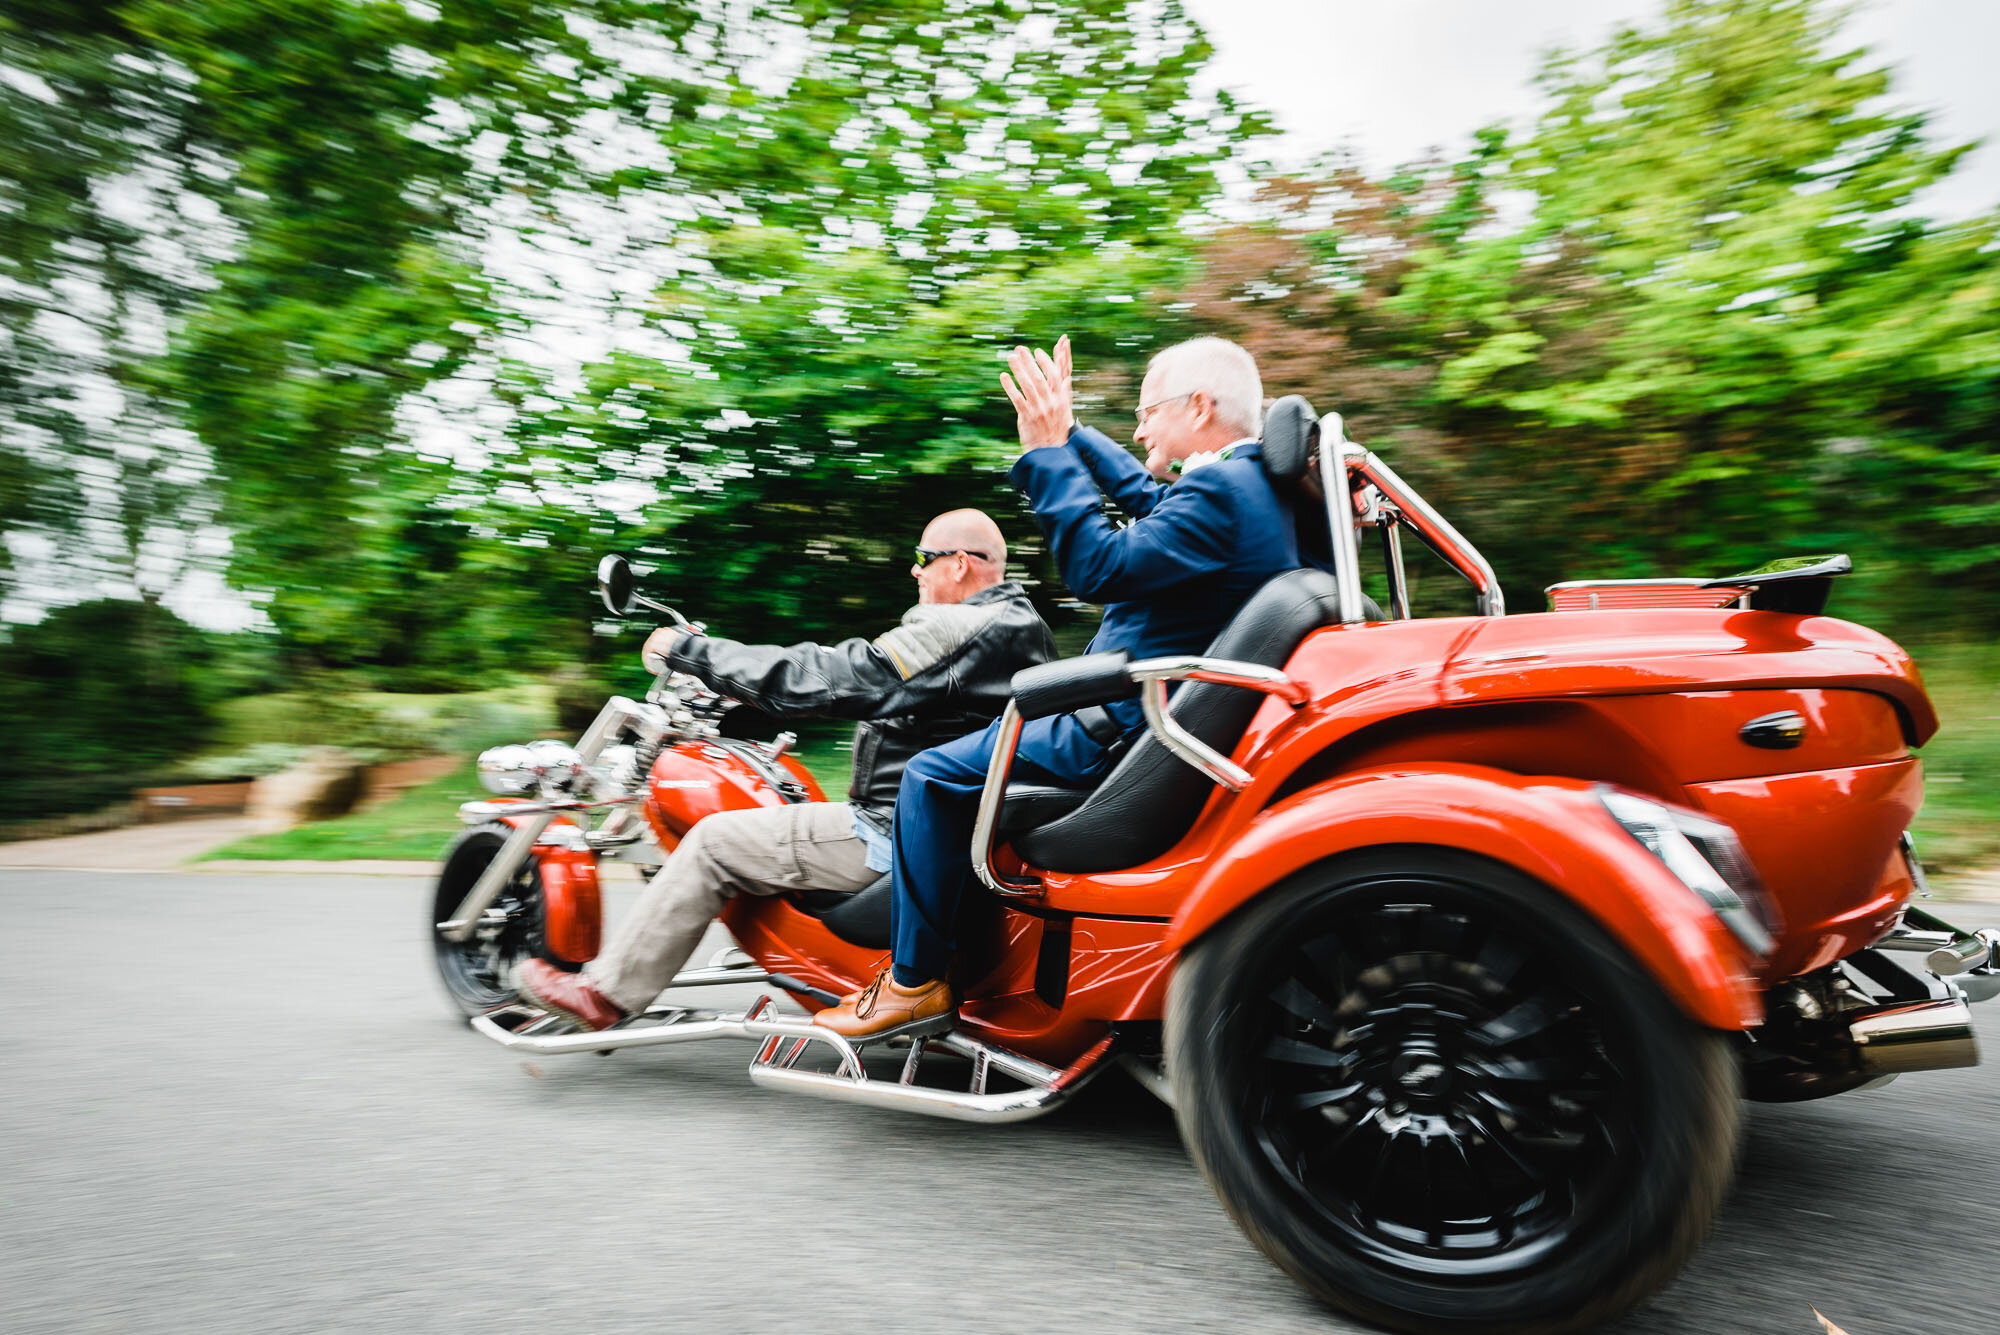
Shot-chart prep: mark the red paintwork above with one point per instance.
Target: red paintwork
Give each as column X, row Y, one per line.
column 1485, row 734
column 572, row 901
column 694, row 779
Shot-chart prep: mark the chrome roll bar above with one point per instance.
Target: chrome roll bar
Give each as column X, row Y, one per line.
column 1370, row 492
column 1152, row 676
column 1333, row 480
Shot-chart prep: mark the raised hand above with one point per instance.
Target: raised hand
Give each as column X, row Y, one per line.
column 1039, row 387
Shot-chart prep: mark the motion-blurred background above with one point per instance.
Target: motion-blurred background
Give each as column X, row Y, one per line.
column 337, row 339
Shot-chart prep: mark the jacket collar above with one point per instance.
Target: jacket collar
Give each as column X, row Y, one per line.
column 1005, row 589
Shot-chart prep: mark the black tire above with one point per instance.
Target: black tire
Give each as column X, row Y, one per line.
column 478, row 973
column 1440, row 1097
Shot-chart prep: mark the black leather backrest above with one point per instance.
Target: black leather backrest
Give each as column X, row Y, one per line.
column 1151, row 798
column 1291, row 433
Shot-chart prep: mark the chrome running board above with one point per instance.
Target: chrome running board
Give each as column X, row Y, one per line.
column 785, row 1039
column 662, row 1025
column 1044, row 1088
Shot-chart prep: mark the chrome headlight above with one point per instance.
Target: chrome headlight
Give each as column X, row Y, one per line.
column 555, row 763
column 509, row 770
column 1705, row 856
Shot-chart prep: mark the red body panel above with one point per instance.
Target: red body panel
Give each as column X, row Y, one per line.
column 572, row 902
column 695, row 779
column 1474, row 733
column 1554, row 830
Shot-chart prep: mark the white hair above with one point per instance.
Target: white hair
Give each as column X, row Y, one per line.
column 1220, row 369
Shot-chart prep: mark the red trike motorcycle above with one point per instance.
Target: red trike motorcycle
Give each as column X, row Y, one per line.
column 1453, row 942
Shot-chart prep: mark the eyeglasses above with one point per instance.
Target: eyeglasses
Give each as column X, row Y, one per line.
column 926, row 555
column 1145, row 410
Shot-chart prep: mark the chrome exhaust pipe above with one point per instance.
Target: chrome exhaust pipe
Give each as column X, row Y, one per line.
column 1915, row 1036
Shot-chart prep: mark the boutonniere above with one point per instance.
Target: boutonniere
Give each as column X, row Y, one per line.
column 1201, row 460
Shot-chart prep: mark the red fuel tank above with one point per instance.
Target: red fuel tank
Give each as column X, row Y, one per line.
column 699, row 778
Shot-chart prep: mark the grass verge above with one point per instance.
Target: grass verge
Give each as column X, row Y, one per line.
column 1959, row 828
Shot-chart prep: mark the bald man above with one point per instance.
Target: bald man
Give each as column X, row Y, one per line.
column 946, row 670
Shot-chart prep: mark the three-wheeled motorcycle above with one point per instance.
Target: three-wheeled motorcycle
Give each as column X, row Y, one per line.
column 1454, row 943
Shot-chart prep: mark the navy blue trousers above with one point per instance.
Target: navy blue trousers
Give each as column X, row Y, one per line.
column 936, row 807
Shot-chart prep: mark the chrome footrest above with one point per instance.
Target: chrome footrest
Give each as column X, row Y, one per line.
column 1043, row 1088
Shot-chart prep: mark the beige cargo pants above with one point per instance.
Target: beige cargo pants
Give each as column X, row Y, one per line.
column 765, row 851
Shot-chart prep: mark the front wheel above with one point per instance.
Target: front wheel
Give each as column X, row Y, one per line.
column 1441, row 1097
column 478, row 973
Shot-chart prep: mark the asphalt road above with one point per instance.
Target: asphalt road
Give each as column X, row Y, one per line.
column 237, row 1103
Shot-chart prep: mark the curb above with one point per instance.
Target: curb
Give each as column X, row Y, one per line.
column 295, row 867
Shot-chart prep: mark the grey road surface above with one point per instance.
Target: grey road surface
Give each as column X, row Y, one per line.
column 237, row 1104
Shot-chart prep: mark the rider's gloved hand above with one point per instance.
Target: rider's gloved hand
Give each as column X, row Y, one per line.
column 659, row 647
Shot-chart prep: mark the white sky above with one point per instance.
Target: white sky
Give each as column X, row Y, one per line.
column 1392, row 80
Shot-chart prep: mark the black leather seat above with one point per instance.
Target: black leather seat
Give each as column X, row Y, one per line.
column 1151, row 797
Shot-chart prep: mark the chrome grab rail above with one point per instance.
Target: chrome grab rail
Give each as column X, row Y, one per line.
column 991, row 798
column 1152, row 676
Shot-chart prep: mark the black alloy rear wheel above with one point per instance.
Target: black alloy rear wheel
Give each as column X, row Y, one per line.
column 1442, row 1098
column 478, row 973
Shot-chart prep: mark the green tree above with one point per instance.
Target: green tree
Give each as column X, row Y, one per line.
column 1724, row 302
column 1707, row 328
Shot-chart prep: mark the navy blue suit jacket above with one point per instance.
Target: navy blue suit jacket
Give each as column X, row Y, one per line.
column 1195, row 551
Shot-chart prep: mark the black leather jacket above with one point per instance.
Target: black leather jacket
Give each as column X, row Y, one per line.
column 945, row 671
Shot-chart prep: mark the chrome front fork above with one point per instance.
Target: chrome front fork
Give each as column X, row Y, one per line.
column 617, row 712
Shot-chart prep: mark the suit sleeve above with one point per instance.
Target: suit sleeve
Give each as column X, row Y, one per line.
column 1188, row 533
column 1120, row 476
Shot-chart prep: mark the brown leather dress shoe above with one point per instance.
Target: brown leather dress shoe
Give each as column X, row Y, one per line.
column 884, row 1010
column 569, row 994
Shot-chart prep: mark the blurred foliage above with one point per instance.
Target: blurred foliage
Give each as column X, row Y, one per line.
column 1720, row 333
column 98, row 695
column 299, row 275
column 379, row 725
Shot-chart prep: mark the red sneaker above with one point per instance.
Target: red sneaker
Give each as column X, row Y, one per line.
column 569, row 994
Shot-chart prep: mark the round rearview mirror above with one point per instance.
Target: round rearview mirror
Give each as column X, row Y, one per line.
column 614, row 584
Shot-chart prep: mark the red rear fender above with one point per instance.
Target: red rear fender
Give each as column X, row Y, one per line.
column 1554, row 830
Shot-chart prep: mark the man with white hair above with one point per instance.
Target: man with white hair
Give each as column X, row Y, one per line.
column 1195, row 551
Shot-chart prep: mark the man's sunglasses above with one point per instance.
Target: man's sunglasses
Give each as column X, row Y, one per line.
column 926, row 555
